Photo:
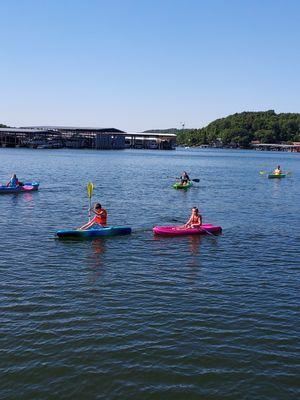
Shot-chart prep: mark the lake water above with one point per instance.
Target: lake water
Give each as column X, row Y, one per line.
column 139, row 317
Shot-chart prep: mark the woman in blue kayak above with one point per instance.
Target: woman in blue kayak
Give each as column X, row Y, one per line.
column 100, row 217
column 14, row 181
column 195, row 220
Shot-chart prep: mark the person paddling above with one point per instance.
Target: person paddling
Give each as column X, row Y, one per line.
column 100, row 217
column 195, row 220
column 14, row 181
column 277, row 171
column 184, row 178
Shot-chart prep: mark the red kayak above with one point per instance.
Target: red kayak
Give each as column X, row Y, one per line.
column 205, row 229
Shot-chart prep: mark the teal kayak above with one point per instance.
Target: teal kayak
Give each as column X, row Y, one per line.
column 278, row 176
column 180, row 186
column 93, row 232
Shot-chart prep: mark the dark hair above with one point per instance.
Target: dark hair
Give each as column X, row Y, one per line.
column 97, row 205
column 196, row 209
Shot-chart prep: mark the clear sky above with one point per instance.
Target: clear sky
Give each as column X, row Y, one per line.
column 141, row 64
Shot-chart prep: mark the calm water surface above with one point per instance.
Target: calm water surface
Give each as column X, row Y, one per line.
column 138, row 317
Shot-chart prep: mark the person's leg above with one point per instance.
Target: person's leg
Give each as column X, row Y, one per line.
column 87, row 225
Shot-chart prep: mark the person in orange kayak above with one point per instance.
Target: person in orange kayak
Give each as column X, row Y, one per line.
column 100, row 217
column 195, row 220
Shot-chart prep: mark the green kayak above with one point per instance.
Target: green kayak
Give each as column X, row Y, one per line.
column 180, row 186
column 278, row 176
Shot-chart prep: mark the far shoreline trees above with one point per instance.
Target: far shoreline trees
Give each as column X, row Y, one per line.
column 240, row 129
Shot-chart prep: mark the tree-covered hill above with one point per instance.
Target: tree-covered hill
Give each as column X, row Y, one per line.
column 242, row 128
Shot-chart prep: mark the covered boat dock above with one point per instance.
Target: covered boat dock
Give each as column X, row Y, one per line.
column 55, row 137
column 294, row 147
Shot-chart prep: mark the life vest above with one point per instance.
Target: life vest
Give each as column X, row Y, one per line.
column 195, row 219
column 101, row 218
column 13, row 182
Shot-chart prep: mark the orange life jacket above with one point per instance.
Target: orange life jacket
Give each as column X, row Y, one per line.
column 101, row 217
column 195, row 219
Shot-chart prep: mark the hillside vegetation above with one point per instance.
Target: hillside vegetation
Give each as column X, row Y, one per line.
column 241, row 128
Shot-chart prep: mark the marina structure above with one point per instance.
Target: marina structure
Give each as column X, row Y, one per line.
column 293, row 147
column 55, row 137
column 143, row 140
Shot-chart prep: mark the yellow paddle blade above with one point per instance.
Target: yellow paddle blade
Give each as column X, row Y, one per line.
column 90, row 188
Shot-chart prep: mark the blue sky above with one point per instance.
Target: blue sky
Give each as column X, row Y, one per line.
column 144, row 64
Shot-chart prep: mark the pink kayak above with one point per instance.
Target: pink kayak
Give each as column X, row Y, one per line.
column 178, row 231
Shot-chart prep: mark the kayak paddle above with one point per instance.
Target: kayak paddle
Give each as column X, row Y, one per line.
column 193, row 180
column 90, row 188
column 209, row 233
column 265, row 172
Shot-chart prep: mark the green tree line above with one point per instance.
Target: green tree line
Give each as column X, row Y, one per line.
column 241, row 128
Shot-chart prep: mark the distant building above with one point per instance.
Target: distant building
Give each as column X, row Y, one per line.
column 54, row 137
column 277, row 147
column 88, row 137
column 147, row 140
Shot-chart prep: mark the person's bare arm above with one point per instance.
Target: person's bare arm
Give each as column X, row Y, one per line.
column 188, row 223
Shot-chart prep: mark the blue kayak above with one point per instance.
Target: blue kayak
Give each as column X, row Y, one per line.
column 25, row 188
column 93, row 232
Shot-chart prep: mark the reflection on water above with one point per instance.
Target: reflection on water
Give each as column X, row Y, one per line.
column 194, row 244
column 95, row 259
column 194, row 261
column 187, row 246
column 28, row 197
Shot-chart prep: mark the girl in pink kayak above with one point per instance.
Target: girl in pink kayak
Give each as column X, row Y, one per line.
column 195, row 220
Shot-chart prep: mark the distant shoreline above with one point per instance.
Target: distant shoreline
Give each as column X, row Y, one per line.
column 259, row 147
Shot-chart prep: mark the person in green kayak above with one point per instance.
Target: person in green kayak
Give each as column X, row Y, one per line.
column 184, row 179
column 100, row 217
column 277, row 171
column 195, row 220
